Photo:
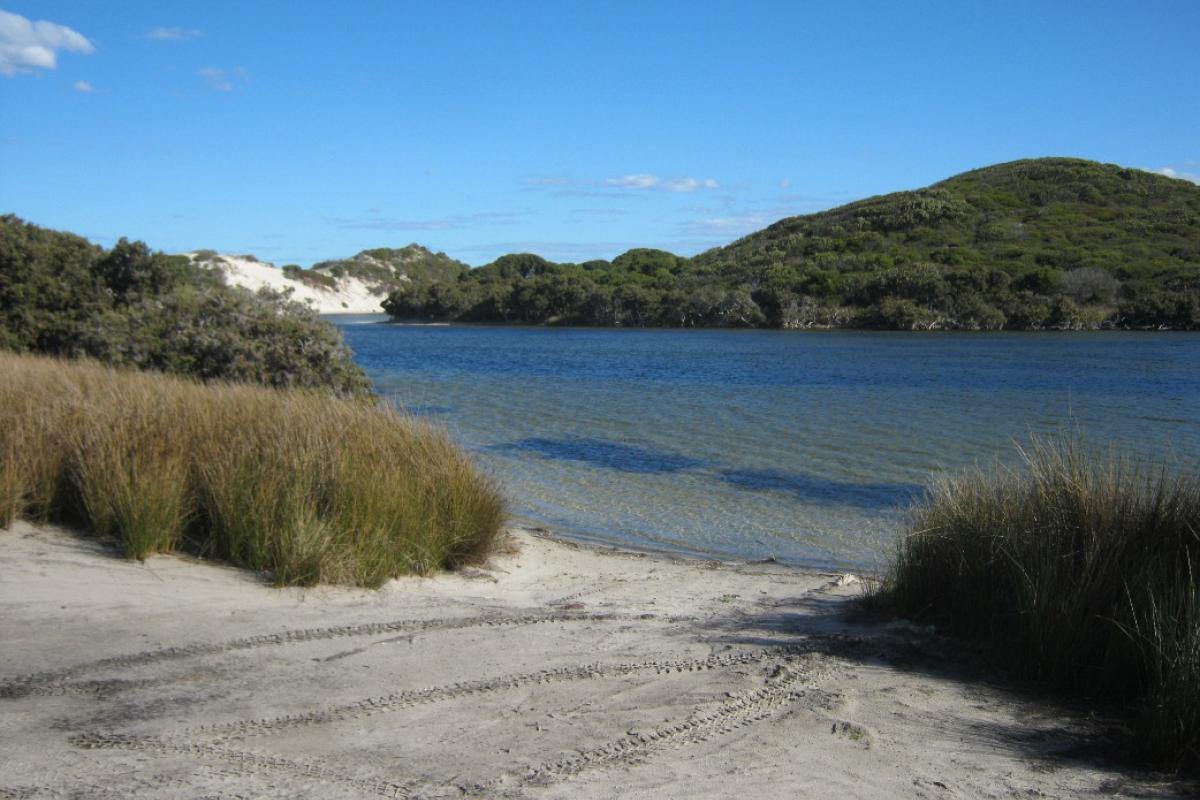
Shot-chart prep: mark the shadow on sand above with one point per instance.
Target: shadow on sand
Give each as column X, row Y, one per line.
column 1045, row 730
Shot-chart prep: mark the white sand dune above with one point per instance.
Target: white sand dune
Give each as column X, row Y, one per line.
column 352, row 295
column 558, row 672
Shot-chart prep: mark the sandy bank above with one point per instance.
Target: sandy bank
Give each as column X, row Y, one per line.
column 352, row 296
column 557, row 672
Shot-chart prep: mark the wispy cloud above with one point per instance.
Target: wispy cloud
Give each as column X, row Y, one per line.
column 600, row 212
column 644, row 180
column 1180, row 172
column 758, row 215
column 620, row 186
column 737, row 224
column 84, row 86
column 548, row 180
column 452, row 222
column 26, row 45
column 174, row 34
column 813, row 202
column 595, row 191
column 223, row 80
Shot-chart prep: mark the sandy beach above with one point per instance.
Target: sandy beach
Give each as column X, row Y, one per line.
column 558, row 671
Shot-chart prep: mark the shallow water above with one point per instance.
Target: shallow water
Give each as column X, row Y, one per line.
column 805, row 446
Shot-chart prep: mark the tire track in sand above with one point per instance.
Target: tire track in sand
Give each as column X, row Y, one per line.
column 59, row 682
column 240, row 761
column 740, row 710
column 241, row 729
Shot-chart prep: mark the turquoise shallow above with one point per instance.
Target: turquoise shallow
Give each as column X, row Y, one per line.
column 805, row 446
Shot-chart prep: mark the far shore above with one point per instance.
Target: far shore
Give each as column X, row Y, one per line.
column 814, row 328
column 558, row 670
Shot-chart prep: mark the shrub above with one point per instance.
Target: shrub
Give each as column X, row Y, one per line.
column 317, row 280
column 1080, row 572
column 305, row 486
column 60, row 295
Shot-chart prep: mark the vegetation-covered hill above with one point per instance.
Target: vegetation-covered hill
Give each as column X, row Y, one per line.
column 390, row 267
column 1045, row 243
column 61, row 295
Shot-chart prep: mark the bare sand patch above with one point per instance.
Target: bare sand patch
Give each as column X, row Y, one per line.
column 559, row 671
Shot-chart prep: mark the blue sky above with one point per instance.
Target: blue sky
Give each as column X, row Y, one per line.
column 301, row 131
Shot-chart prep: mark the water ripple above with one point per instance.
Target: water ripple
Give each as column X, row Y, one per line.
column 812, row 489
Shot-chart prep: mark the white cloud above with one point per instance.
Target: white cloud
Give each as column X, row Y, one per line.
column 174, row 34
column 26, row 45
column 1182, row 175
column 84, row 86
column 785, row 183
column 648, row 181
column 688, row 184
column 223, row 80
column 641, row 181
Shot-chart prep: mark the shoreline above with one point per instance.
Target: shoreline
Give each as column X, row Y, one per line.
column 557, row 670
column 602, row 546
column 1051, row 329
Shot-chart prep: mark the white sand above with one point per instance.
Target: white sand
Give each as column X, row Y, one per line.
column 352, row 295
column 559, row 672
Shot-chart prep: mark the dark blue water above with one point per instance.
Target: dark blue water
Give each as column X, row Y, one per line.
column 805, row 446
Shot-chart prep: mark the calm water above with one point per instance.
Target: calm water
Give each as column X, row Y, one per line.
column 803, row 446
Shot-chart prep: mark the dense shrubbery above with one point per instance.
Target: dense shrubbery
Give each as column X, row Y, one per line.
column 1049, row 243
column 304, row 485
column 61, row 295
column 1081, row 573
column 317, row 280
column 393, row 267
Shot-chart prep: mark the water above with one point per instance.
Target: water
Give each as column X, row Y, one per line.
column 805, row 446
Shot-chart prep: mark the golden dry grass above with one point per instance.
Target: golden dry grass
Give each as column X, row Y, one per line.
column 305, row 486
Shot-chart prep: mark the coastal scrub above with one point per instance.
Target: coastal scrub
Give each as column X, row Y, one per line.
column 1080, row 572
column 300, row 484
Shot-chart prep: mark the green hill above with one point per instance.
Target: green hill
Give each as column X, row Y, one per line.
column 1044, row 243
column 393, row 266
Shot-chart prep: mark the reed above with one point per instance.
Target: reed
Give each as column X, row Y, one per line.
column 303, row 485
column 1078, row 571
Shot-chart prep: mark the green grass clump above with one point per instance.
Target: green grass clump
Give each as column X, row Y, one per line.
column 1079, row 572
column 310, row 487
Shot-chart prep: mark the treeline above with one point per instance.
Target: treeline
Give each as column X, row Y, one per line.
column 639, row 288
column 527, row 289
column 130, row 306
column 1049, row 243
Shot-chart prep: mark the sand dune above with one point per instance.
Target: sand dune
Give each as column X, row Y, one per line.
column 352, row 295
column 557, row 672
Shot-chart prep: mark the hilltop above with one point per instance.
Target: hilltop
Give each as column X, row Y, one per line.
column 383, row 265
column 1041, row 243
column 1076, row 233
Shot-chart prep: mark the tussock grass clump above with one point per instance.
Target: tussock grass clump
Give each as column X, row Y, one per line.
column 1081, row 572
column 309, row 487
